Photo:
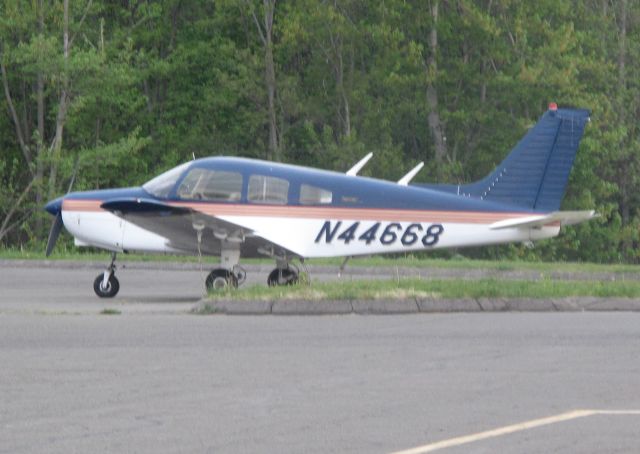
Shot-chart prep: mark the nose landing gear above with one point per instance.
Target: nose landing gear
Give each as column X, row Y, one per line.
column 106, row 284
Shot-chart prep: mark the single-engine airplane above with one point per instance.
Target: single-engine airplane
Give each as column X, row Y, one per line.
column 235, row 207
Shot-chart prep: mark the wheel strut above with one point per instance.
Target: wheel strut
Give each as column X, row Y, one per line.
column 106, row 284
column 109, row 271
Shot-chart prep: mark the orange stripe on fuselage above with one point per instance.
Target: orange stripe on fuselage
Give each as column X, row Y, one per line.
column 82, row 205
column 337, row 213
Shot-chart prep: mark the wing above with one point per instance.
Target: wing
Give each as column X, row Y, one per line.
column 180, row 226
column 557, row 217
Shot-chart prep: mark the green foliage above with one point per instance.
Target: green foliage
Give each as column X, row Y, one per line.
column 120, row 163
column 151, row 84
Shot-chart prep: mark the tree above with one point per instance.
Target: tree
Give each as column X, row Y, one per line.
column 46, row 86
column 263, row 19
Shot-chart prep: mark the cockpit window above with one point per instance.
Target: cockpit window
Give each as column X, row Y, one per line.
column 264, row 189
column 211, row 185
column 162, row 185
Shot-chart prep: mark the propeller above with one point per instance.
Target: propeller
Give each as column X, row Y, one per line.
column 54, row 233
column 55, row 208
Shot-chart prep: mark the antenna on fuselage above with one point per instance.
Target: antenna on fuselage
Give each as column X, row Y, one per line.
column 353, row 171
column 404, row 181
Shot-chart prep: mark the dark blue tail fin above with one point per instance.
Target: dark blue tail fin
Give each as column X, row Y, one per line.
column 535, row 174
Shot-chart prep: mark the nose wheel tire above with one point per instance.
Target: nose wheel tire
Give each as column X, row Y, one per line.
column 106, row 291
column 284, row 276
column 220, row 279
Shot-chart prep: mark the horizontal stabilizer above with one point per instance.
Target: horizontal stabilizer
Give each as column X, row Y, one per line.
column 561, row 217
column 142, row 206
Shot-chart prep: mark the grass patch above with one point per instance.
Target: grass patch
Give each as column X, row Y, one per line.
column 205, row 309
column 416, row 288
column 409, row 261
column 110, row 312
column 97, row 256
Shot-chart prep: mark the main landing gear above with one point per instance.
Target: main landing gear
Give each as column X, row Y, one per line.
column 285, row 274
column 221, row 278
column 106, row 284
column 230, row 274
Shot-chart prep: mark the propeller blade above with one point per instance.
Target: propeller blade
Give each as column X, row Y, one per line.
column 54, row 233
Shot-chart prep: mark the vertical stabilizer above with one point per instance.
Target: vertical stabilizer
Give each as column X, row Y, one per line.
column 535, row 174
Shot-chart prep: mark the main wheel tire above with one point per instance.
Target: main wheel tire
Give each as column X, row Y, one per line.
column 284, row 276
column 219, row 279
column 106, row 291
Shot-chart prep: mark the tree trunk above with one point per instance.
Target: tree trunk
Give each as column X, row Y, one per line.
column 56, row 146
column 40, row 126
column 622, row 54
column 344, row 115
column 265, row 31
column 626, row 160
column 622, row 88
column 270, row 80
column 344, row 100
column 6, row 226
column 26, row 152
column 433, row 119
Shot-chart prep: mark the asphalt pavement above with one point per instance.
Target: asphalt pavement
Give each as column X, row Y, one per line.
column 156, row 378
column 347, row 384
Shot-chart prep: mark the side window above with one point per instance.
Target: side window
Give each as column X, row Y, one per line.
column 311, row 195
column 263, row 189
column 211, row 185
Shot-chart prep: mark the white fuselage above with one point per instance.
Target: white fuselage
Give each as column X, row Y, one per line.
column 308, row 231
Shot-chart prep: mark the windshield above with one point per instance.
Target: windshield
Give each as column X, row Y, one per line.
column 162, row 185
